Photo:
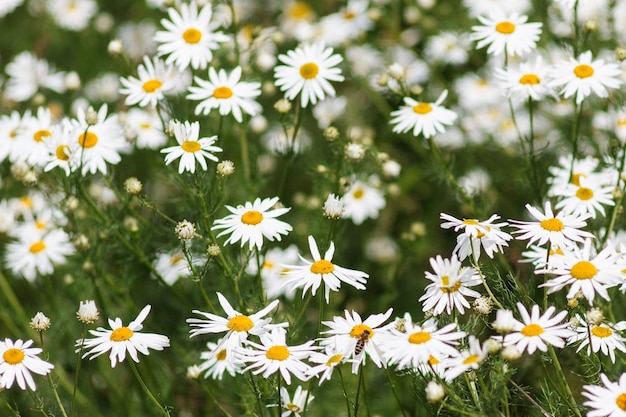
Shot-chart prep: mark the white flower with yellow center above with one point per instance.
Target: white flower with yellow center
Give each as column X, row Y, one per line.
column 227, row 93
column 72, row 14
column 236, row 325
column 273, row 272
column 584, row 271
column 327, row 362
column 294, row 406
column 31, row 139
column 17, row 361
column 312, row 274
column 191, row 148
column 61, row 148
column 602, row 337
column 307, row 71
column 608, row 400
column 219, row 359
column 154, row 79
column 274, row 355
column 121, row 339
column 467, row 360
column 252, row 222
column 10, row 126
column 423, row 118
column 537, row 331
column 527, row 81
column 510, row 34
column 145, row 128
column 588, row 197
column 189, row 37
column 583, row 76
column 477, row 234
column 362, row 201
column 174, row 265
column 571, row 172
column 449, row 286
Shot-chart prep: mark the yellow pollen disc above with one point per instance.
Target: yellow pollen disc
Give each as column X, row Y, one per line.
column 145, row 125
column 221, row 355
column 532, row 330
column 88, row 140
column 348, row 15
column 470, row 359
column 552, row 225
column 358, row 193
column 472, row 222
column 583, row 71
column 268, row 264
column 40, row 225
column 621, row 123
column 13, row 356
column 601, row 331
column 453, row 288
column 576, row 178
column 322, row 267
column 191, row 146
column 192, row 35
column 309, row 70
column 583, row 270
column 41, row 134
column 422, row 108
column 151, row 86
column 335, row 359
column 584, row 193
column 418, row 338
column 37, row 247
column 176, row 259
column 277, row 353
column 13, row 133
column 293, row 408
column 240, row 323
column 445, row 280
column 358, row 330
column 432, row 360
column 299, row 10
column 529, row 79
column 558, row 251
column 505, row 28
column 62, row 152
column 222, row 92
column 27, row 202
column 121, row 334
column 480, row 235
column 252, row 217
column 483, row 83
column 621, row 401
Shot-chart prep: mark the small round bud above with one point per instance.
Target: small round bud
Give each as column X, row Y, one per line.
column 333, row 207
column 382, row 80
column 572, row 302
column 185, row 230
column 30, row 178
column 418, row 229
column 331, row 133
column 131, row 224
column 39, row 99
column 434, row 392
column 19, row 170
column 87, row 312
column 194, row 372
column 91, row 117
column 416, row 89
column 81, row 242
column 40, row 322
column 591, row 25
column 71, row 203
column 115, row 47
column 620, row 53
column 354, row 152
column 226, row 168
column 397, row 71
column 133, row 186
column 171, row 125
column 574, row 321
column 510, row 353
column 213, row 250
column 283, row 106
column 382, row 157
column 594, row 316
column 504, row 322
column 400, row 325
column 391, row 169
column 258, row 124
column 72, row 80
column 483, row 305
column 268, row 88
column 492, row 345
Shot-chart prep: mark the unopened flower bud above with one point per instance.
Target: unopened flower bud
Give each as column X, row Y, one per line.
column 504, row 322
column 185, row 230
column 283, row 106
column 87, row 312
column 620, row 53
column 492, row 345
column 91, row 117
column 333, row 207
column 40, row 322
column 434, row 392
column 194, row 372
column 510, row 353
column 115, row 47
column 397, row 71
column 483, row 305
column 133, row 186
column 225, row 168
column 213, row 250
column 354, row 152
column 81, row 242
column 594, row 316
column 331, row 133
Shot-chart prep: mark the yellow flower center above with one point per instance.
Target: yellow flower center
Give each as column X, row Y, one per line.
column 621, row 123
column 299, row 10
column 322, row 267
column 422, row 108
column 358, row 330
column 252, row 217
column 470, row 359
column 432, row 360
column 358, row 193
column 583, row 270
column 40, row 224
column 601, row 331
column 88, row 140
column 418, row 338
column 121, row 334
column 451, row 289
column 576, row 178
column 221, row 355
column 176, row 259
column 348, row 15
column 192, row 35
column 293, row 408
column 268, row 264
column 62, row 152
column 277, row 353
column 532, row 330
column 222, row 92
column 240, row 323
column 151, row 86
column 13, row 356
column 37, row 247
column 529, row 79
column 584, row 193
column 552, row 225
column 621, row 401
column 41, row 134
column 557, row 251
column 191, row 146
column 309, row 70
column 506, row 28
column 334, row 360
column 583, row 71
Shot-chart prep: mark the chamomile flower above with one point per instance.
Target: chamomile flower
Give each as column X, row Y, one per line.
column 467, row 360
column 362, row 201
column 327, row 362
column 144, row 128
column 571, row 172
column 218, row 360
column 449, row 287
column 561, row 229
column 17, row 360
column 312, row 274
column 62, row 148
column 296, row 405
column 253, row 222
column 582, row 76
column 27, row 74
column 226, row 92
column 510, row 34
column 423, row 118
column 307, row 71
column 603, row 337
column 526, row 81
column 588, row 197
column 274, row 355
column 32, row 137
column 608, row 400
column 121, row 339
column 154, row 79
column 273, row 271
column 189, row 37
column 191, row 148
column 476, row 234
column 72, row 14
column 536, row 331
column 174, row 265
column 236, row 325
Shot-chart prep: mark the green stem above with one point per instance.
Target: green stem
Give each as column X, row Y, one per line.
column 78, row 364
column 563, row 381
column 475, row 264
column 50, row 382
column 472, row 390
column 529, row 398
column 257, row 394
column 161, row 407
column 395, row 393
column 343, row 388
column 575, row 135
column 358, row 392
column 215, row 401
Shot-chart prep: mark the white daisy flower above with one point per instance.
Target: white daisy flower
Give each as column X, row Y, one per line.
column 476, row 234
column 537, row 255
column 252, row 222
column 423, row 118
column 189, row 37
column 72, row 14
column 274, row 355
column 17, row 361
column 218, row 360
column 603, row 337
column 227, row 93
column 327, row 362
column 467, row 360
column 295, row 406
column 174, row 265
column 537, row 331
column 122, row 339
column 568, row 172
column 506, row 33
column 307, row 71
column 27, row 74
column 10, row 126
column 582, row 76
column 155, row 79
column 362, row 201
column 526, row 81
column 62, row 148
column 608, row 400
column 449, row 287
column 273, row 272
column 144, row 128
column 191, row 148
column 32, row 136
column 589, row 197
column 312, row 274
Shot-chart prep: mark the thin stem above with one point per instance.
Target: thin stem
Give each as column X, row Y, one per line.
column 50, row 382
column 472, row 389
column 531, row 150
column 529, row 398
column 358, row 392
column 575, row 135
column 343, row 388
column 163, row 408
column 320, row 316
column 280, row 402
column 563, row 380
column 217, row 403
column 483, row 279
column 257, row 394
column 395, row 393
column 78, row 364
